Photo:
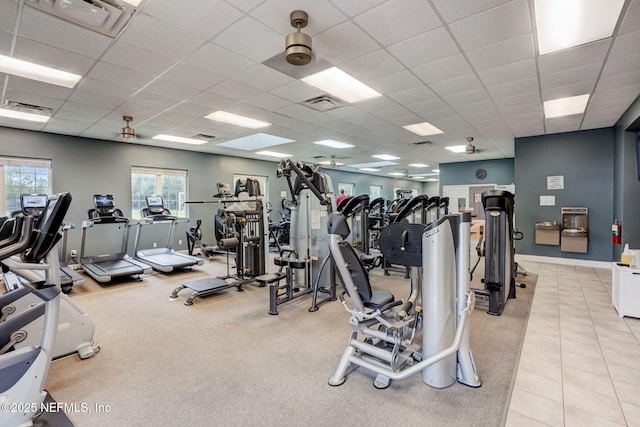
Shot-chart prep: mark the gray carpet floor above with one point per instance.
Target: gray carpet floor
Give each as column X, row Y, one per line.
column 225, row 361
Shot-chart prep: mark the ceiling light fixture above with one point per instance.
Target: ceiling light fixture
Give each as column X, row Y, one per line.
column 457, row 148
column 423, row 129
column 435, row 170
column 373, row 164
column 565, row 106
column 396, row 173
column 235, row 119
column 385, row 157
column 37, row 72
column 23, row 115
column 273, row 154
column 568, row 23
column 334, row 144
column 255, row 142
column 180, row 139
column 370, row 169
column 418, row 165
column 340, row 84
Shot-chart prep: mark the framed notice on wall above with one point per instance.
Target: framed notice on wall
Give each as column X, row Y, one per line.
column 555, row 182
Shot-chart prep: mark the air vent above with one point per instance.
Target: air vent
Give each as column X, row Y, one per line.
column 106, row 17
column 421, row 143
column 323, row 103
column 204, row 136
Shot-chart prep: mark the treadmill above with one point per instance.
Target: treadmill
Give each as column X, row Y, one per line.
column 163, row 259
column 106, row 267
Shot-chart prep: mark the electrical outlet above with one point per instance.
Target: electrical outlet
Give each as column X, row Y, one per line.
column 73, row 253
column 155, row 245
column 179, row 242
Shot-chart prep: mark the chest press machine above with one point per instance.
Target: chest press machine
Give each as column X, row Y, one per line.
column 382, row 337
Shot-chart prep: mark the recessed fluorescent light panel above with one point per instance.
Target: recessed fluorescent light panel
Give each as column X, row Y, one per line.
column 370, row 169
column 418, row 165
column 565, row 106
column 435, row 170
column 423, row 129
column 273, row 154
column 338, row 83
column 419, row 175
column 396, row 173
column 330, row 163
column 333, row 144
column 180, row 139
column 385, row 157
column 255, row 142
column 562, row 24
column 22, row 115
column 235, row 119
column 373, row 165
column 32, row 71
column 457, row 148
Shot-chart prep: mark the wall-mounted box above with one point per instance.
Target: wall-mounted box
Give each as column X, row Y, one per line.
column 547, row 233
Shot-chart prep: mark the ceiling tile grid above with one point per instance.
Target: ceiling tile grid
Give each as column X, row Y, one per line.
column 469, row 67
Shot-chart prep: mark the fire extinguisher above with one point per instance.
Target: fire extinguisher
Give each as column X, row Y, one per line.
column 616, row 232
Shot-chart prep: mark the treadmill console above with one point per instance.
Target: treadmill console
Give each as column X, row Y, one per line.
column 104, row 204
column 155, row 205
column 33, row 204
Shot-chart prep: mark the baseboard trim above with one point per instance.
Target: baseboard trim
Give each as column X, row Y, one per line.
column 563, row 261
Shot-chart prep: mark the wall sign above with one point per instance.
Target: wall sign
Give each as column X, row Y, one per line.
column 481, row 174
column 555, row 182
column 547, row 200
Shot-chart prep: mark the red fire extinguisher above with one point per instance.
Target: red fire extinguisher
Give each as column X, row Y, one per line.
column 616, row 232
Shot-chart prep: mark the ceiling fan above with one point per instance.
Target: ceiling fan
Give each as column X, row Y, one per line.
column 470, row 148
column 127, row 132
column 331, row 162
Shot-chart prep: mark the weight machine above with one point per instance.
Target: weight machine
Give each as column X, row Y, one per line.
column 239, row 227
column 301, row 262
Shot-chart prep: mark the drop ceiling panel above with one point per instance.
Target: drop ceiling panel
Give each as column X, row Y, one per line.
column 171, row 89
column 456, row 85
column 61, row 33
column 592, row 53
column 103, row 88
column 193, row 77
column 505, row 52
column 119, row 76
column 520, row 99
column 631, row 21
column 395, row 82
column 575, row 89
column 267, row 101
column 471, row 97
column 620, row 81
column 454, row 10
column 625, row 44
column 137, row 59
column 443, row 69
column 275, row 14
column 265, row 42
column 623, row 65
column 149, row 33
column 497, row 24
column 296, row 91
column 65, row 127
column 413, row 95
column 89, row 98
column 426, row 47
column 219, row 60
column 397, row 20
column 376, row 104
column 563, row 124
column 42, row 89
column 203, row 18
column 49, row 56
column 8, row 14
column 75, row 111
column 509, row 73
column 513, row 88
column 5, row 43
column 353, row 8
column 571, row 76
column 372, row 65
column 263, row 78
column 352, row 40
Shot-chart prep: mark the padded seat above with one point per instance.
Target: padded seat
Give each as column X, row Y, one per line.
column 379, row 298
column 289, row 262
column 266, row 279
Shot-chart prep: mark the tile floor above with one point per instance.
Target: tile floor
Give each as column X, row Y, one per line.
column 580, row 362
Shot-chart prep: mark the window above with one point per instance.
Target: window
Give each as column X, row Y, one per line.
column 349, row 188
column 20, row 176
column 375, row 191
column 170, row 184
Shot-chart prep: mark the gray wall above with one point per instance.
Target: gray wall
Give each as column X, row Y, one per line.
column 627, row 186
column 586, row 161
column 85, row 167
column 499, row 171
